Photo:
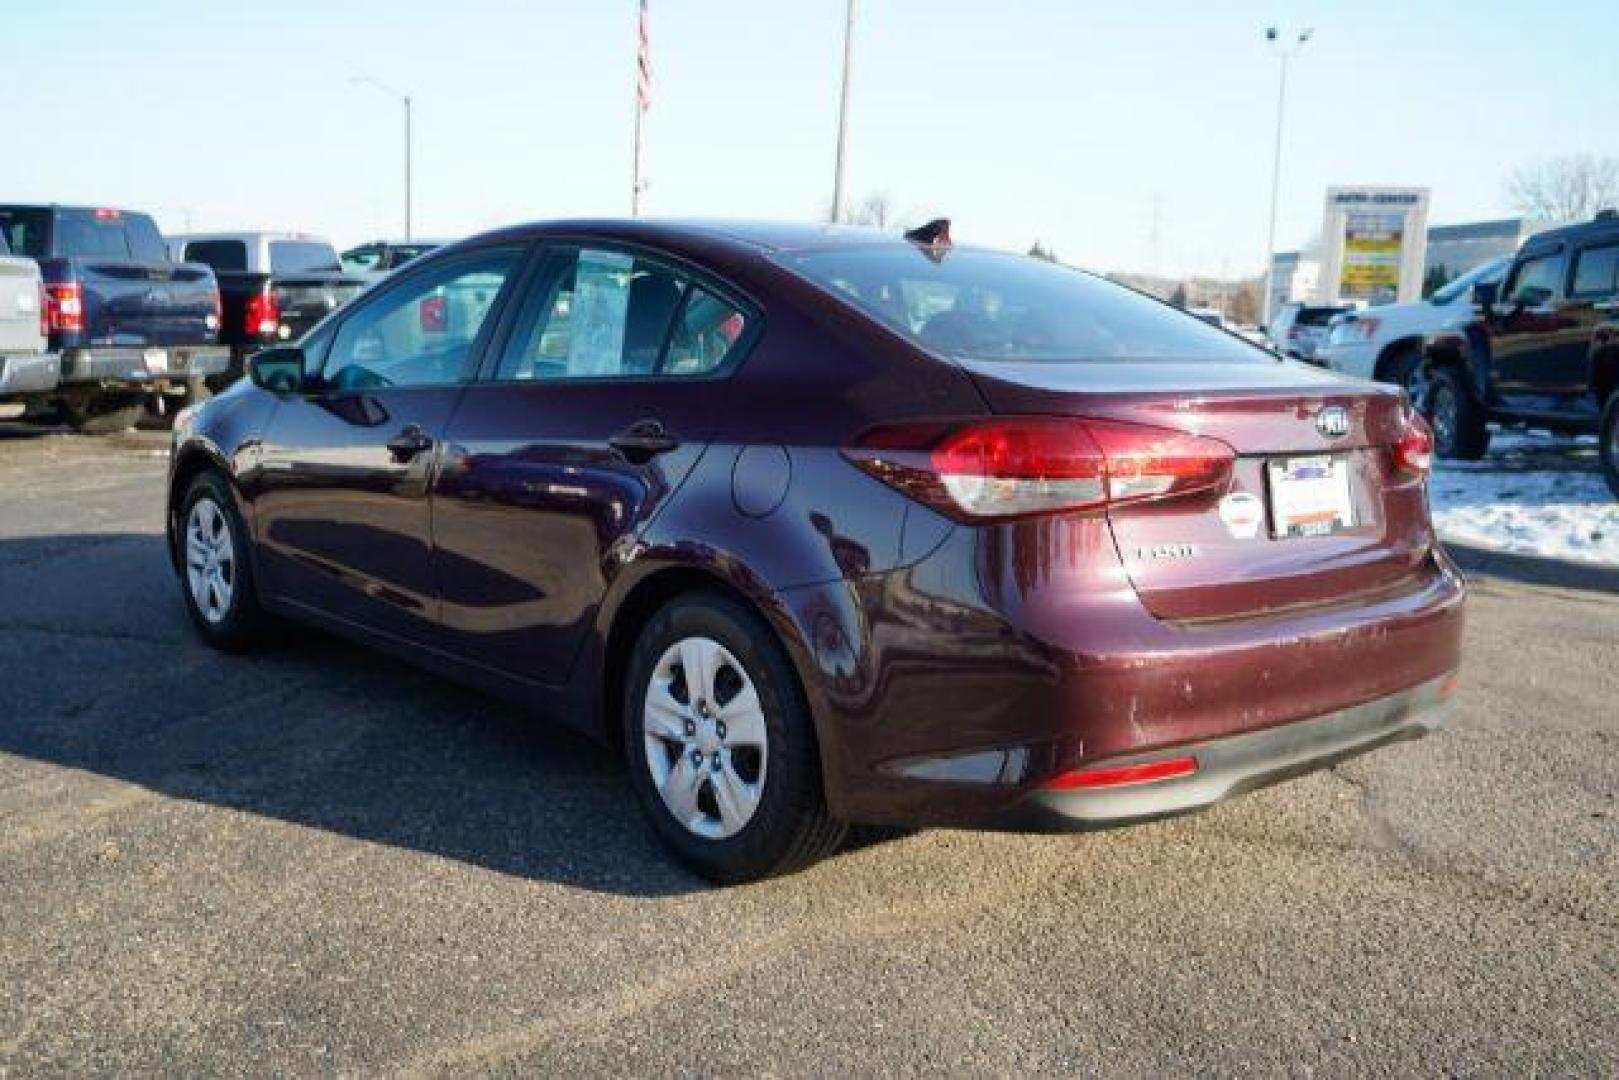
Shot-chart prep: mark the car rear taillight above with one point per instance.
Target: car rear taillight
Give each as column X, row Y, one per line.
column 263, row 314
column 1120, row 775
column 434, row 312
column 64, row 307
column 1413, row 453
column 44, row 311
column 1007, row 468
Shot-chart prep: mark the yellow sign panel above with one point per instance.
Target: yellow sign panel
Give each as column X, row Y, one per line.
column 1373, row 246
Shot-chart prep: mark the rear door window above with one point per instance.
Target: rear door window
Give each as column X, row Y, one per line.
column 1596, row 272
column 223, row 256
column 301, row 257
column 609, row 314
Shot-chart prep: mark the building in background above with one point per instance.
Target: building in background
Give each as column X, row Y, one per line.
column 1453, row 250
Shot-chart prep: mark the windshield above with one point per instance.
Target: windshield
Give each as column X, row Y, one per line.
column 985, row 305
column 301, row 257
column 1491, row 271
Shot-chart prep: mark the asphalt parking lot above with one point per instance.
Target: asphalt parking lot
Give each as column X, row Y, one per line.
column 315, row 860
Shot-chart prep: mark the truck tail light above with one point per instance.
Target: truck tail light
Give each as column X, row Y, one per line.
column 44, row 310
column 263, row 314
column 435, row 314
column 1008, row 468
column 64, row 307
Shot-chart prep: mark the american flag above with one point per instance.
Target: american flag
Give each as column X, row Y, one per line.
column 643, row 67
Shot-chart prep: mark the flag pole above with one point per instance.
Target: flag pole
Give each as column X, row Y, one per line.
column 643, row 98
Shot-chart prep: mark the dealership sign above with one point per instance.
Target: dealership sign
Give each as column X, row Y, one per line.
column 1374, row 241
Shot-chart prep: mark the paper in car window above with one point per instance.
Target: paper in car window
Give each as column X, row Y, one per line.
column 601, row 296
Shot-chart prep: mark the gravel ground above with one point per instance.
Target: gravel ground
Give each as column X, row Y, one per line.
column 318, row 860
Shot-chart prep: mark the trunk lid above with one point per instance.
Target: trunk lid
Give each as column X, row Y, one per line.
column 1217, row 556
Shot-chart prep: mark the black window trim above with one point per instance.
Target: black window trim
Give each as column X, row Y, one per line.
column 546, row 266
column 425, row 266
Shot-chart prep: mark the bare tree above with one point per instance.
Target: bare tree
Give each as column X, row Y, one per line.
column 1040, row 251
column 1569, row 188
column 875, row 210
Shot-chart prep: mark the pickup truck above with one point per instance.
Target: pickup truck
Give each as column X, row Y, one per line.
column 1542, row 349
column 375, row 261
column 26, row 369
column 131, row 328
column 273, row 286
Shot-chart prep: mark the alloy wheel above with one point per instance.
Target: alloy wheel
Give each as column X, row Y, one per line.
column 705, row 738
column 210, row 560
column 1444, row 416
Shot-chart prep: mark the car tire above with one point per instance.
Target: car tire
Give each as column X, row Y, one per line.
column 1401, row 370
column 1460, row 433
column 733, row 804
column 216, row 567
column 1608, row 443
column 104, row 413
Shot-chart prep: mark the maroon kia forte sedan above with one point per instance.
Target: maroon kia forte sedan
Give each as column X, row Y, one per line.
column 820, row 526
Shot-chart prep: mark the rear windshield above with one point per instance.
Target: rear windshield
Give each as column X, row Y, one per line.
column 403, row 253
column 26, row 230
column 986, row 305
column 220, row 255
column 301, row 257
column 86, row 235
column 1319, row 316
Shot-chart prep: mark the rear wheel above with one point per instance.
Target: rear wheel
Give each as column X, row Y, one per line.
column 1458, row 423
column 1401, row 370
column 720, row 746
column 1609, row 443
column 105, row 412
column 216, row 567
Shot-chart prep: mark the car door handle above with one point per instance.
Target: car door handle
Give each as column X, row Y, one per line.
column 408, row 443
column 643, row 440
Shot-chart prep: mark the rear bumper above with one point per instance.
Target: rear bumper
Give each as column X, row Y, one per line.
column 33, row 374
column 143, row 365
column 1238, row 763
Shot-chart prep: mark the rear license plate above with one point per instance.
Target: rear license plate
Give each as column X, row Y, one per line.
column 157, row 361
column 1309, row 496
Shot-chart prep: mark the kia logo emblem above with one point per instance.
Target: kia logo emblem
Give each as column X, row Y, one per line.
column 1333, row 421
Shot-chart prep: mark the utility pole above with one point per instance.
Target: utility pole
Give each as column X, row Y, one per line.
column 403, row 99
column 838, row 194
column 643, row 101
column 1284, row 51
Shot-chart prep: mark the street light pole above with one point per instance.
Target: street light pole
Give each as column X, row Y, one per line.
column 1285, row 52
column 405, row 100
column 838, row 194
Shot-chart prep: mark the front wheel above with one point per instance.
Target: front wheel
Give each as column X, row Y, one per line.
column 720, row 745
column 1459, row 430
column 216, row 567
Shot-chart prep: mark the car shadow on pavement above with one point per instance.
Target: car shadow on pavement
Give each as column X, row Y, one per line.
column 106, row 676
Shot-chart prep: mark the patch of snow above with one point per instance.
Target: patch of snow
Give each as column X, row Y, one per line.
column 1534, row 494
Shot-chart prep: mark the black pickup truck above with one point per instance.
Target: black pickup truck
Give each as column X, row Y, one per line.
column 131, row 327
column 274, row 286
column 1543, row 348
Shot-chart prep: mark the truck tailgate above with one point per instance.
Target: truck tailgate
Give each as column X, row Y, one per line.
column 19, row 307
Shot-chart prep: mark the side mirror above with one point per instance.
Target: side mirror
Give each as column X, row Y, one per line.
column 279, row 370
column 1485, row 294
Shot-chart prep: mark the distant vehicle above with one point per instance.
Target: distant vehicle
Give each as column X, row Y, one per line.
column 1385, row 342
column 379, row 259
column 971, row 538
column 27, row 370
column 273, row 286
column 132, row 328
column 1543, row 348
column 1297, row 329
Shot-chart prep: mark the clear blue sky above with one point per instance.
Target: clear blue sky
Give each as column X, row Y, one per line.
column 1061, row 120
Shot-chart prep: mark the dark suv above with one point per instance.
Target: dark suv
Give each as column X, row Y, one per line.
column 1543, row 349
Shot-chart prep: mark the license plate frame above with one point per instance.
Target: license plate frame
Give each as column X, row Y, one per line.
column 1310, row 496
